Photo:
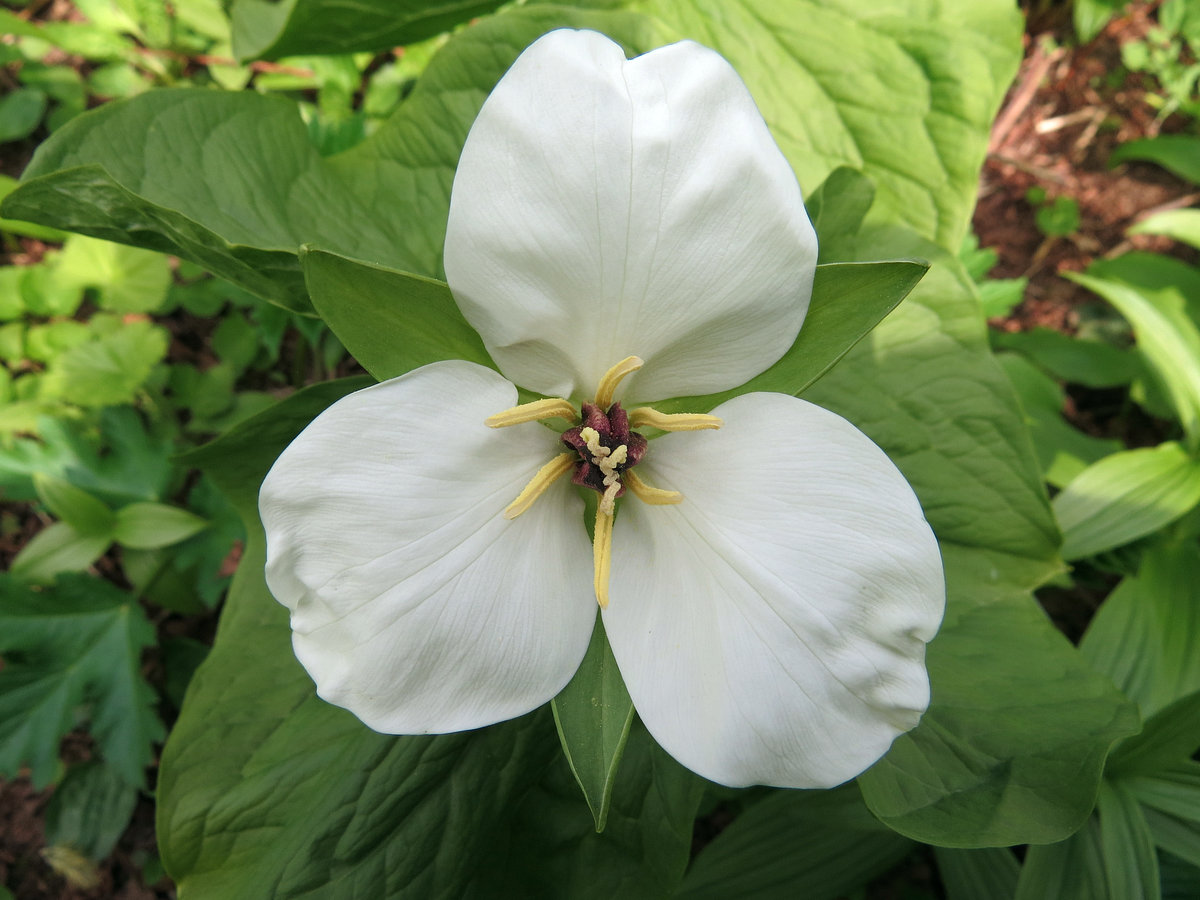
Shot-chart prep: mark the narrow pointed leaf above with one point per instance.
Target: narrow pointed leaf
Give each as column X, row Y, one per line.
column 58, row 548
column 1072, row 869
column 593, row 714
column 148, row 526
column 76, row 507
column 989, row 873
column 1176, row 153
column 1129, row 857
column 1168, row 738
column 1182, row 225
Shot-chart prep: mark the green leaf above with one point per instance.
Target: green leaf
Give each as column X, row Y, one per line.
column 127, row 279
column 1181, row 225
column 1126, row 496
column 818, row 845
column 1176, row 153
column 109, row 370
column 1128, row 846
column 1166, row 335
column 1174, row 790
column 1012, row 747
column 391, row 322
column 849, row 299
column 1169, row 737
column 988, row 873
column 58, row 548
column 839, row 205
column 914, row 118
column 593, row 714
column 1174, row 834
column 1090, row 16
column 78, row 643
column 147, row 526
column 1072, row 869
column 265, row 30
column 20, row 112
column 1091, row 363
column 549, row 848
column 1145, row 634
column 77, row 508
column 243, row 815
column 90, row 810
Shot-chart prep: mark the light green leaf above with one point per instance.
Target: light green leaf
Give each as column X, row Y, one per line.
column 593, row 714
column 390, row 321
column 127, row 279
column 90, row 810
column 818, row 845
column 1178, row 153
column 1166, row 335
column 109, row 370
column 1129, row 858
column 1174, row 790
column 989, row 873
column 1072, row 869
column 1012, row 747
column 1169, row 737
column 265, row 30
column 148, row 526
column 76, row 507
column 915, row 117
column 1178, row 224
column 20, row 112
column 58, row 548
column 1126, row 496
column 78, row 643
column 1145, row 634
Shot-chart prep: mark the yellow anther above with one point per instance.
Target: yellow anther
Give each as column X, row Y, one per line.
column 644, row 416
column 546, row 476
column 553, row 407
column 613, row 377
column 652, row 495
column 602, row 554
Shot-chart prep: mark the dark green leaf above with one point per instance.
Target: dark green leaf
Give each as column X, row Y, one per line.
column 1129, row 857
column 1169, row 737
column 78, row 643
column 1089, row 363
column 818, row 845
column 90, row 810
column 1072, row 869
column 837, row 208
column 391, row 322
column 593, row 714
column 988, row 873
column 1176, row 153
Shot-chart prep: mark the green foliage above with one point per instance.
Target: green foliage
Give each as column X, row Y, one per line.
column 77, row 643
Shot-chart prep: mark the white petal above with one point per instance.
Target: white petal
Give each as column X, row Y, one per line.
column 415, row 604
column 772, row 627
column 606, row 207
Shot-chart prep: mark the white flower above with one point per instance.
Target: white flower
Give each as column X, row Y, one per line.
column 769, row 607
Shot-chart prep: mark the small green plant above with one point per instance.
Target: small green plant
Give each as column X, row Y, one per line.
column 1055, row 217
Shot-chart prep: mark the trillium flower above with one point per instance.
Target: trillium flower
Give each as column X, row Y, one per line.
column 620, row 230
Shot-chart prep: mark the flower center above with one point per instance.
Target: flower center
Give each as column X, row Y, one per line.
column 604, row 450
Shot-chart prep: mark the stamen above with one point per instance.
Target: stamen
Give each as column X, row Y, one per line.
column 651, row 495
column 550, row 408
column 613, row 377
column 644, row 416
column 591, row 437
column 602, row 555
column 546, row 476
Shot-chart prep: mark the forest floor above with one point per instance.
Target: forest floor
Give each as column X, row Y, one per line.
column 1068, row 108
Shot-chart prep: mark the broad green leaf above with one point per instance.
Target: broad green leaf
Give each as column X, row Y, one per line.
column 1014, row 742
column 90, row 810
column 593, row 714
column 1182, row 225
column 242, row 814
column 1167, row 336
column 1091, row 363
column 20, row 112
column 127, row 279
column 109, row 370
column 849, row 299
column 1072, row 869
column 148, row 526
column 77, row 508
column 58, row 548
column 1128, row 846
column 915, row 117
column 391, row 322
column 265, row 30
column 76, row 644
column 818, row 845
column 1125, row 496
column 1169, row 737
column 1178, row 153
column 549, row 848
column 989, row 873
column 1145, row 634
